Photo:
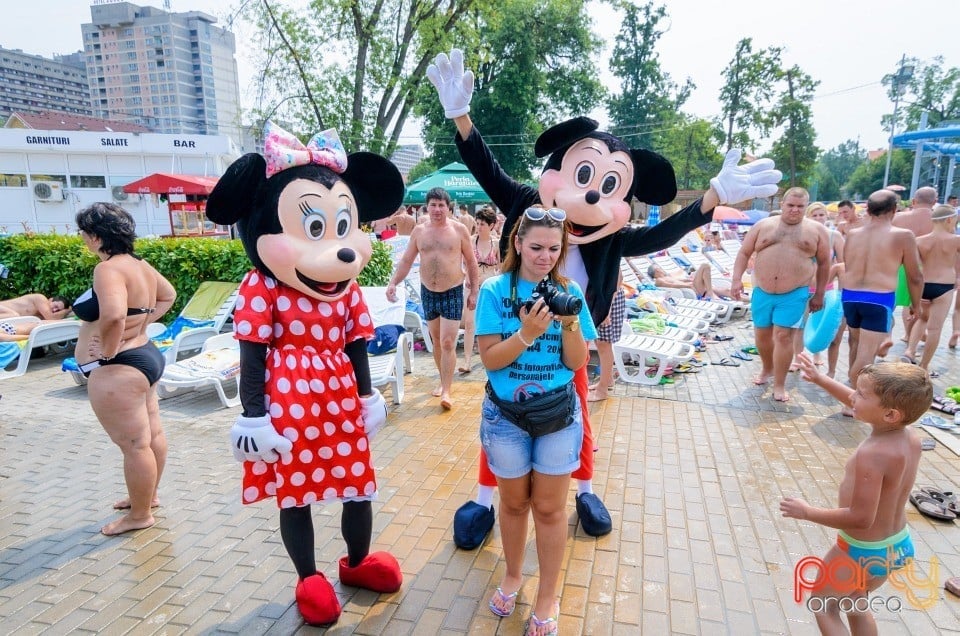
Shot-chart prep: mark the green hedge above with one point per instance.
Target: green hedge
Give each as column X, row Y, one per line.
column 60, row 265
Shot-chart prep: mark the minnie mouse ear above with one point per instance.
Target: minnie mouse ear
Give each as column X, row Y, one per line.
column 233, row 196
column 376, row 185
column 654, row 181
column 563, row 134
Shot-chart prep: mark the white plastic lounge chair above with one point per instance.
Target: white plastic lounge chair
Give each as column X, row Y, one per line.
column 218, row 363
column 640, row 348
column 49, row 333
column 390, row 368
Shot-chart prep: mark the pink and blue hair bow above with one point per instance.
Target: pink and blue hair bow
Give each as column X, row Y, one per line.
column 283, row 150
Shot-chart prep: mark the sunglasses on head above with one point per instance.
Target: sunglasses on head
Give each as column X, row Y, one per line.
column 537, row 214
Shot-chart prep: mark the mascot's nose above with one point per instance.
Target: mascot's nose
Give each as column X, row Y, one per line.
column 592, row 196
column 346, row 255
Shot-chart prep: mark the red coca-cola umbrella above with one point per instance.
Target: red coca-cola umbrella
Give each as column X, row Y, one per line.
column 729, row 215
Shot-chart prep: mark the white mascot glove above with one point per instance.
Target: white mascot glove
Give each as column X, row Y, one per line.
column 756, row 179
column 454, row 87
column 373, row 411
column 254, row 439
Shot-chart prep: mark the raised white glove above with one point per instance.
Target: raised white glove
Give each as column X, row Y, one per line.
column 254, row 439
column 454, row 86
column 756, row 179
column 373, row 410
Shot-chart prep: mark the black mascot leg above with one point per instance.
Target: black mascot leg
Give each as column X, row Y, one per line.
column 296, row 530
column 356, row 525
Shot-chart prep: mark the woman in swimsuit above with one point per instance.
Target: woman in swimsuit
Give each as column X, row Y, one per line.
column 486, row 249
column 123, row 365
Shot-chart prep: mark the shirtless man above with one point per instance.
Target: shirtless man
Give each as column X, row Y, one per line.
column 917, row 220
column 403, row 221
column 701, row 282
column 35, row 305
column 940, row 261
column 872, row 256
column 444, row 248
column 789, row 249
column 847, row 218
column 468, row 221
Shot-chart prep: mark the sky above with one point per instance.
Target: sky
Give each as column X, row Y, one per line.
column 847, row 45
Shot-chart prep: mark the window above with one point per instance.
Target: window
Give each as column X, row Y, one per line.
column 62, row 178
column 13, row 181
column 87, row 181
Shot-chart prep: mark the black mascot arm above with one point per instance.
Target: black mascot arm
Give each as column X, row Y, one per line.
column 253, row 370
column 640, row 241
column 502, row 189
column 357, row 352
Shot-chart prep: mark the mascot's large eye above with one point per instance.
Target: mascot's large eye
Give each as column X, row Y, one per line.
column 314, row 222
column 584, row 173
column 344, row 222
column 611, row 181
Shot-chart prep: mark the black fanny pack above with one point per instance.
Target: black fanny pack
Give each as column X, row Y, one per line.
column 540, row 415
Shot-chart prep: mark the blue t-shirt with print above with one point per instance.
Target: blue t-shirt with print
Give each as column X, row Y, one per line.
column 539, row 368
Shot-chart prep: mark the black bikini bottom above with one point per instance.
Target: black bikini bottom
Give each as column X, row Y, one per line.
column 146, row 358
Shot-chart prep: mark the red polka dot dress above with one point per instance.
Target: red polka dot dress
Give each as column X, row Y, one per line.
column 311, row 393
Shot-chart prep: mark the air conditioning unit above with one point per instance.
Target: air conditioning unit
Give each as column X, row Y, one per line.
column 48, row 191
column 119, row 194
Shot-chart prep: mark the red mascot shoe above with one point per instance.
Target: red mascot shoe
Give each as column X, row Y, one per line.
column 316, row 600
column 378, row 572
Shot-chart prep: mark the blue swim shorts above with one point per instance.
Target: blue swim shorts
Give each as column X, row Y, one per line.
column 782, row 310
column 870, row 310
column 512, row 453
column 447, row 304
column 880, row 558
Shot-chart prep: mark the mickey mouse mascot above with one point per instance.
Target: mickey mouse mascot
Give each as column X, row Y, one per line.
column 308, row 407
column 592, row 175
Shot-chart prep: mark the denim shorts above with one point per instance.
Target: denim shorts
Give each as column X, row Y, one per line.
column 512, row 453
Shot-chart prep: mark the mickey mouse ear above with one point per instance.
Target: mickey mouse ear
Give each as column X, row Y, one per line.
column 563, row 134
column 376, row 185
column 654, row 181
column 233, row 196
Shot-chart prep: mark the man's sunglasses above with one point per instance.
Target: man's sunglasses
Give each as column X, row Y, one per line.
column 537, row 214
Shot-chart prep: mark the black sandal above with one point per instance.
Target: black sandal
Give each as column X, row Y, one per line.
column 930, row 507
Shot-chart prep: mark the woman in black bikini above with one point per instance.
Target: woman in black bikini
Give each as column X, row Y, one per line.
column 113, row 350
column 486, row 249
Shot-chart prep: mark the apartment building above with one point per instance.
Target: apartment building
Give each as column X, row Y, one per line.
column 172, row 72
column 33, row 84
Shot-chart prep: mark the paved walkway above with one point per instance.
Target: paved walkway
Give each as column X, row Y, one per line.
column 692, row 473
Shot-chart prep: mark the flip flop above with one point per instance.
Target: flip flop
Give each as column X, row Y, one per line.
column 930, row 507
column 719, row 337
column 944, row 405
column 726, row 362
column 928, row 443
column 739, row 355
column 946, row 497
column 464, row 370
column 509, row 601
column 751, row 350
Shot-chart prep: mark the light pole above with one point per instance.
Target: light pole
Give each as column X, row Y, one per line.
column 899, row 82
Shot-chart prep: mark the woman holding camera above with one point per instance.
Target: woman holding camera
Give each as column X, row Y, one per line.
column 532, row 331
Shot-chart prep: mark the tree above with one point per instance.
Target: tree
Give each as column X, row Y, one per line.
column 795, row 152
column 868, row 177
column 649, row 104
column 353, row 65
column 933, row 89
column 691, row 146
column 533, row 67
column 422, row 169
column 835, row 168
column 750, row 79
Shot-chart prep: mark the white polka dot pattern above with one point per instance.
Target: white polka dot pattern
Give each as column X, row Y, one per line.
column 310, row 393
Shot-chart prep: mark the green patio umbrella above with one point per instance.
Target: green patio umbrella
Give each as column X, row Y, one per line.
column 455, row 179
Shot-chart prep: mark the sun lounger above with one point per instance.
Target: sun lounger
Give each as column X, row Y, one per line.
column 54, row 332
column 218, row 363
column 639, row 348
column 389, row 368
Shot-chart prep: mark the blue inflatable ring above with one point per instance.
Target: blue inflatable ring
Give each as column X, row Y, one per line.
column 822, row 326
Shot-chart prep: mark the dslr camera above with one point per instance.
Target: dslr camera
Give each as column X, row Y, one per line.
column 559, row 302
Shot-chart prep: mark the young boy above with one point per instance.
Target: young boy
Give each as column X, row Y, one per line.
column 877, row 480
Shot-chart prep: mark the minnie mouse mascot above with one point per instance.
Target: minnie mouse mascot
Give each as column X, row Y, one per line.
column 592, row 175
column 309, row 410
